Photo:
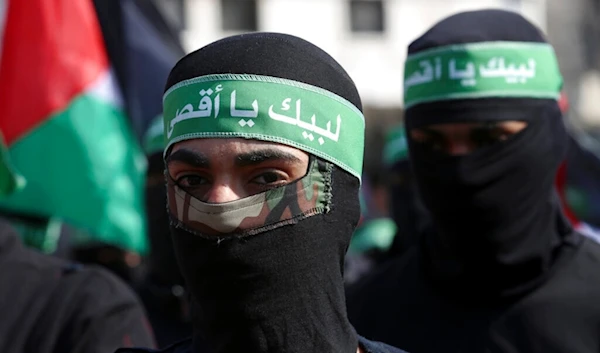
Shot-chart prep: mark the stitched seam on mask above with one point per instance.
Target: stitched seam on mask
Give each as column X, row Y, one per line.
column 179, row 224
column 328, row 186
column 218, row 238
column 312, row 212
column 309, row 213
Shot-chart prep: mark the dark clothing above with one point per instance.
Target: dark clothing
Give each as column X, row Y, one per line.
column 186, row 347
column 168, row 312
column 49, row 305
column 400, row 306
column 163, row 290
column 502, row 271
column 270, row 281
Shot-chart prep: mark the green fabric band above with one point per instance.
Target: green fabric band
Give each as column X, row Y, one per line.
column 154, row 140
column 396, row 147
column 479, row 70
column 270, row 109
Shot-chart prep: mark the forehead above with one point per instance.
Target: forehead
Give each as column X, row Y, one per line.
column 215, row 147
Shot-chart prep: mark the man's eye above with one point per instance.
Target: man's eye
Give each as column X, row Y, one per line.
column 191, row 181
column 434, row 143
column 429, row 140
column 487, row 136
column 269, row 178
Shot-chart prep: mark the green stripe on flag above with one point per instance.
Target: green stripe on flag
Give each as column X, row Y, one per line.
column 10, row 179
column 85, row 165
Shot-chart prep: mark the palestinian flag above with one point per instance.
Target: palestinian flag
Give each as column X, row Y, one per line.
column 64, row 123
column 10, row 180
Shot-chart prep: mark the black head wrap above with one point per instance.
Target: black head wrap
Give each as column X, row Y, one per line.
column 280, row 290
column 495, row 209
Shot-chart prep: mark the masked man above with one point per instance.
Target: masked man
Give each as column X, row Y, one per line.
column 264, row 151
column 503, row 271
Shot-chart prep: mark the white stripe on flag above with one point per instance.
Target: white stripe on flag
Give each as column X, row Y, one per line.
column 106, row 89
column 3, row 13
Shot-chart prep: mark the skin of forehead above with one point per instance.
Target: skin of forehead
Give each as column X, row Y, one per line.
column 239, row 145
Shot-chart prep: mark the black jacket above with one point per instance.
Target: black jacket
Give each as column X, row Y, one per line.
column 49, row 305
column 185, row 347
column 400, row 306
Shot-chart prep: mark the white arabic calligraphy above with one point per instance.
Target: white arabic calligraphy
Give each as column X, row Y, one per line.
column 497, row 68
column 219, row 88
column 205, row 108
column 427, row 75
column 466, row 76
column 312, row 127
column 240, row 113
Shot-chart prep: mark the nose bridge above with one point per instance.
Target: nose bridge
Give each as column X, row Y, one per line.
column 458, row 147
column 223, row 190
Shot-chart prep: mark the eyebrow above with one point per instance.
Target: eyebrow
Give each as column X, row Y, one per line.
column 263, row 155
column 190, row 158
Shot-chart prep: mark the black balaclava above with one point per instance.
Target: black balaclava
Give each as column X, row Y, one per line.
column 495, row 209
column 277, row 285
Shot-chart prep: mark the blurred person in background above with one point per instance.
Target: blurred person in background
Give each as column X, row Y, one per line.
column 393, row 214
column 123, row 263
column 374, row 233
column 406, row 208
column 578, row 183
column 50, row 305
column 163, row 289
column 264, row 156
column 503, row 270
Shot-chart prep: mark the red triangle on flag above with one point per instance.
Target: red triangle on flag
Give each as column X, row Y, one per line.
column 52, row 50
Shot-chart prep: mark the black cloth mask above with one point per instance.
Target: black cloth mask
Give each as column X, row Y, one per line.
column 495, row 209
column 276, row 286
column 497, row 216
column 270, row 281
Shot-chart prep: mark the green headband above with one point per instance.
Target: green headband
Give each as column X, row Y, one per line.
column 270, row 109
column 479, row 70
column 154, row 140
column 396, row 148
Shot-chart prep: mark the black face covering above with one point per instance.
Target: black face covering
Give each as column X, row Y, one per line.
column 277, row 286
column 495, row 209
column 269, row 279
